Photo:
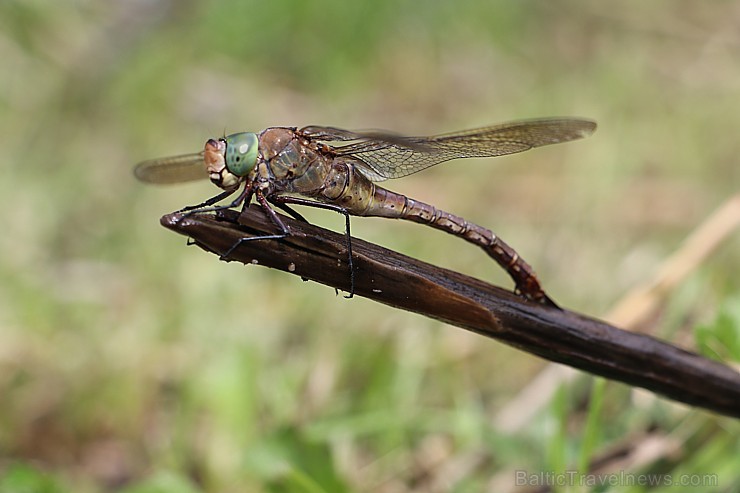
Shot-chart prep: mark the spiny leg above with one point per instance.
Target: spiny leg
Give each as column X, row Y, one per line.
column 245, row 196
column 293, row 213
column 209, row 202
column 273, row 217
column 286, row 199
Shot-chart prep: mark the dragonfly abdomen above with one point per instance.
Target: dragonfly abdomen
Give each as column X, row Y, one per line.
column 421, row 212
column 390, row 204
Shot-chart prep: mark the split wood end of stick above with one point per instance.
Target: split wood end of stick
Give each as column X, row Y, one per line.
column 402, row 282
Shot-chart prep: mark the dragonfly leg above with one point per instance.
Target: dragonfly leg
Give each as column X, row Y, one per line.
column 245, row 196
column 287, row 199
column 289, row 210
column 209, row 202
column 285, row 231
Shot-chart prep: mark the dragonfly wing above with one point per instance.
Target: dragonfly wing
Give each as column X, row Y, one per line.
column 376, row 139
column 395, row 157
column 368, row 171
column 175, row 169
column 329, row 134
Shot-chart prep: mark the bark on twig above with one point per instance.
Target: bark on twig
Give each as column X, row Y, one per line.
column 402, row 282
column 633, row 312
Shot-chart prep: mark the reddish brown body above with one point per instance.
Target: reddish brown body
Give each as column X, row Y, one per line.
column 298, row 165
column 336, row 169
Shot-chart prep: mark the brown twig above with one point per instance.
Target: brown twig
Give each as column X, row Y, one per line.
column 632, row 312
column 402, row 282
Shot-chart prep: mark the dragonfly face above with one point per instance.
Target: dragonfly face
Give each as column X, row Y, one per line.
column 230, row 159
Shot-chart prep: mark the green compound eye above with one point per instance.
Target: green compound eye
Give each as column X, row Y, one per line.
column 241, row 153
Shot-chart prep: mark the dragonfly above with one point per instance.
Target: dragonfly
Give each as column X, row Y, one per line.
column 337, row 169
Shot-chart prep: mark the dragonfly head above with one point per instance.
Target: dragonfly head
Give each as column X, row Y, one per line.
column 230, row 159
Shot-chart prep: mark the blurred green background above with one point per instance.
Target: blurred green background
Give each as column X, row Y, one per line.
column 129, row 362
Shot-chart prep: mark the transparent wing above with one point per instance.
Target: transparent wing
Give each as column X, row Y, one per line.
column 329, row 134
column 381, row 157
column 332, row 134
column 175, row 169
